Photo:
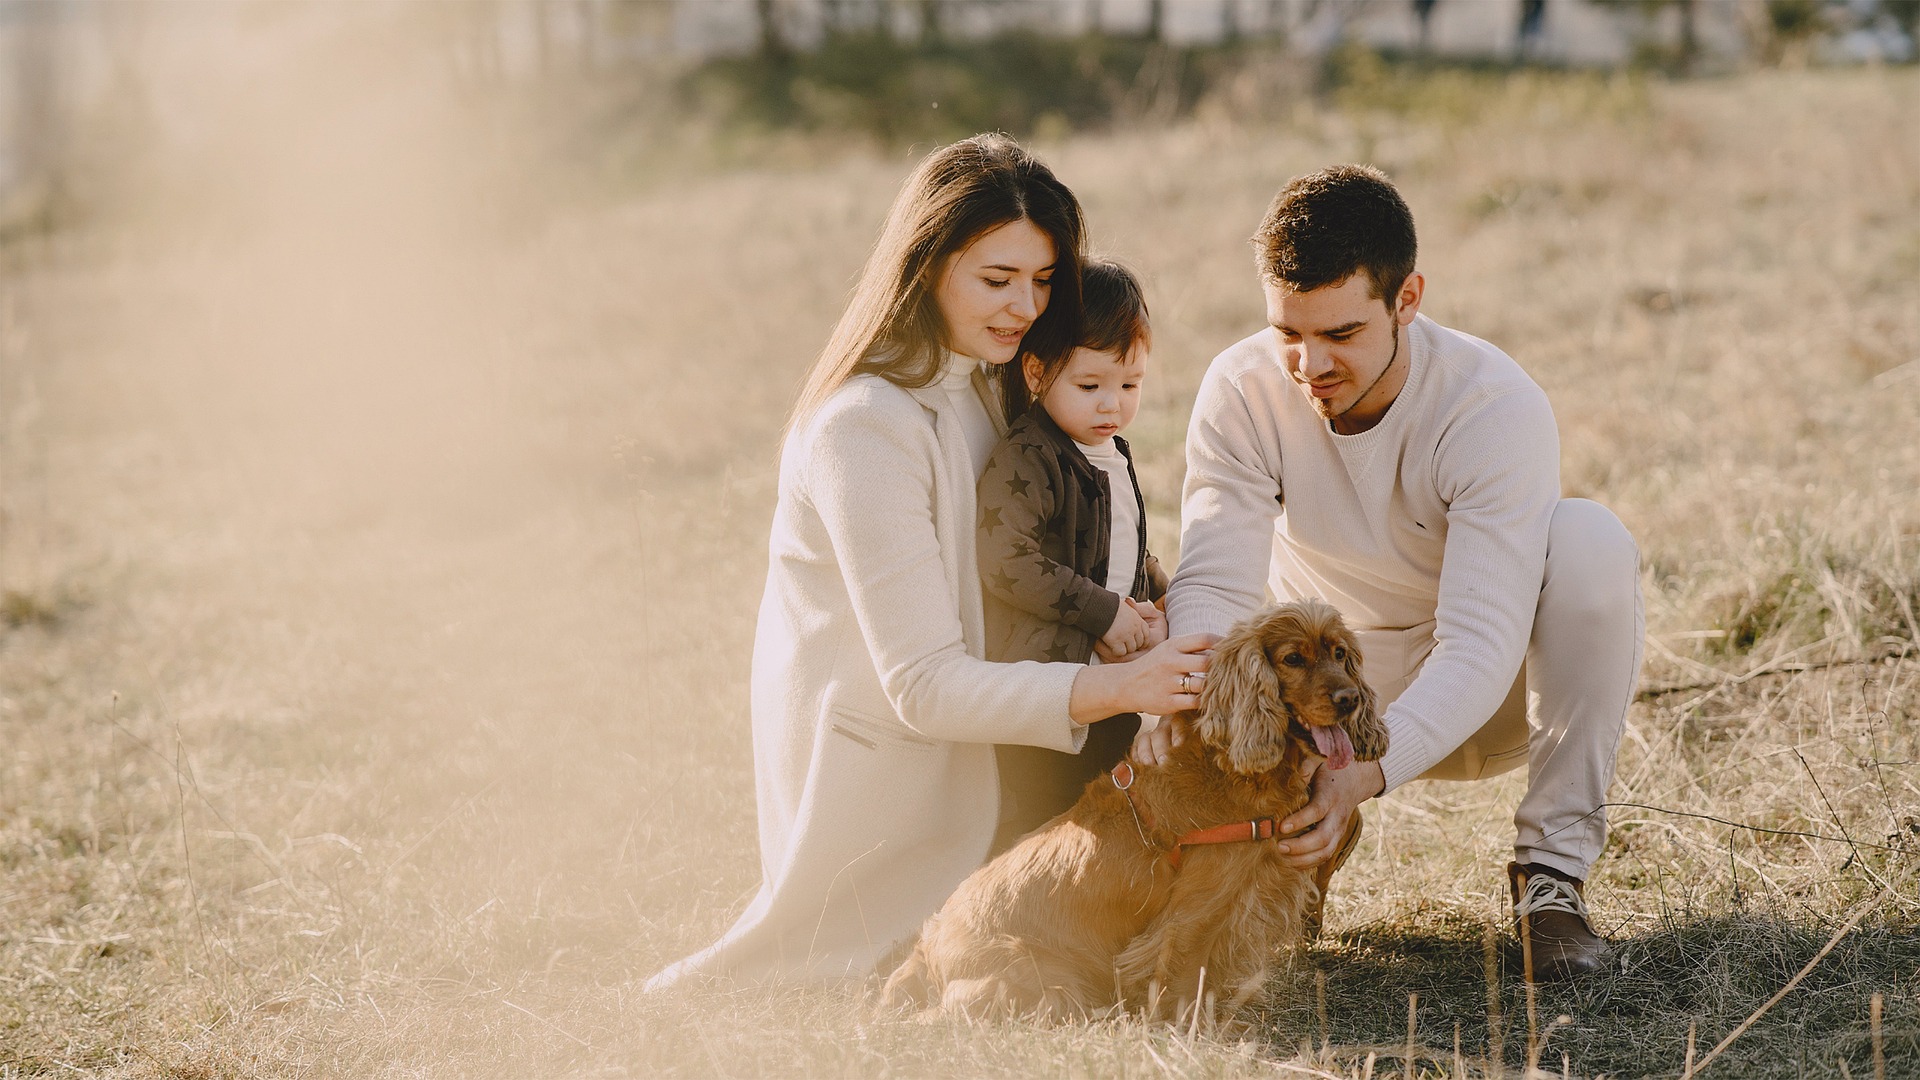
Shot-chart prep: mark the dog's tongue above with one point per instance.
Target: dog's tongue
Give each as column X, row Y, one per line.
column 1333, row 744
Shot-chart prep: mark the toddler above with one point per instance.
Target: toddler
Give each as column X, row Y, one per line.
column 1063, row 537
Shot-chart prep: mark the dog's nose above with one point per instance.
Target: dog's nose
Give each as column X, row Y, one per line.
column 1345, row 699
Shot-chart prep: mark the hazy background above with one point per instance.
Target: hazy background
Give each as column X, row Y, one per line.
column 389, row 397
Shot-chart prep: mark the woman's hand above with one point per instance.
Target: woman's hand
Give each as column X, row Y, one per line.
column 1167, row 679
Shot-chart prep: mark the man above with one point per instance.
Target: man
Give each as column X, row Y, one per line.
column 1409, row 474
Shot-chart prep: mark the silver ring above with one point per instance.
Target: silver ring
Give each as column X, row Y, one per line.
column 1183, row 684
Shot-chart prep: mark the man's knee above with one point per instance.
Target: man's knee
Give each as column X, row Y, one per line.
column 1593, row 565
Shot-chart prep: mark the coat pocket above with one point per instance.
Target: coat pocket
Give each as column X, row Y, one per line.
column 876, row 734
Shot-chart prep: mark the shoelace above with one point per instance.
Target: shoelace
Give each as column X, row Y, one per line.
column 1545, row 892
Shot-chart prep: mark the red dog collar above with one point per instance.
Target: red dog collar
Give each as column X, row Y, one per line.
column 1233, row 832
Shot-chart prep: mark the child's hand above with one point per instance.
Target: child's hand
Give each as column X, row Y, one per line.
column 1129, row 632
column 1156, row 619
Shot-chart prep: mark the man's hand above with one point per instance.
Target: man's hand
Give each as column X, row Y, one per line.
column 1153, row 744
column 1337, row 794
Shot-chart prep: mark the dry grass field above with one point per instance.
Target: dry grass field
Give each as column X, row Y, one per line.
column 381, row 546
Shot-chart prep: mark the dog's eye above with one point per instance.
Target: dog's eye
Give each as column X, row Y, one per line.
column 1339, row 652
column 1294, row 659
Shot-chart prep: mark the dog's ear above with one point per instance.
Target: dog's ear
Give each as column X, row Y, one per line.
column 1366, row 729
column 1241, row 708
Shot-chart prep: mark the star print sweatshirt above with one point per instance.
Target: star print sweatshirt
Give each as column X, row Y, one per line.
column 1432, row 522
column 1045, row 536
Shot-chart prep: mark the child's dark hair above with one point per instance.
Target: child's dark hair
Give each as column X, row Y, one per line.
column 1326, row 226
column 1113, row 309
column 1113, row 317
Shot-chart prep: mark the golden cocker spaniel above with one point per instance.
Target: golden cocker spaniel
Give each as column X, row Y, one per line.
column 1163, row 877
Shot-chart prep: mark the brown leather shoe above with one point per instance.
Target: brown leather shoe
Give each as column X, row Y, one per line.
column 1550, row 914
column 1323, row 875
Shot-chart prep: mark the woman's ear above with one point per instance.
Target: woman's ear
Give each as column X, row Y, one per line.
column 1035, row 371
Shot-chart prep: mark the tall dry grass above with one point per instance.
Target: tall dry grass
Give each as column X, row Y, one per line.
column 381, row 547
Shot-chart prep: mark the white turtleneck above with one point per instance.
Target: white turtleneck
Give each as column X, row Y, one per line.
column 957, row 383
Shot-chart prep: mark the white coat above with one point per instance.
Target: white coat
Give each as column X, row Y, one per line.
column 873, row 713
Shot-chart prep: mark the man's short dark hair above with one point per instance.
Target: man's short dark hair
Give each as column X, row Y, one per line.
column 1326, row 226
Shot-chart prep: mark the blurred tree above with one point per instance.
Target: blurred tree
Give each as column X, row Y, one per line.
column 772, row 44
column 1682, row 58
column 932, row 27
column 1251, row 18
column 39, row 127
column 1789, row 30
column 1423, row 11
column 1533, row 23
column 843, row 17
column 1906, row 13
column 1272, row 18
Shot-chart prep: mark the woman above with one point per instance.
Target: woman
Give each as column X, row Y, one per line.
column 873, row 717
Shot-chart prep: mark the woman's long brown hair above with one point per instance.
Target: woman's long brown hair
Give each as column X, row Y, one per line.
column 892, row 326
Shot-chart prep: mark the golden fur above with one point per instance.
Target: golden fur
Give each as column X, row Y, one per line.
column 1082, row 914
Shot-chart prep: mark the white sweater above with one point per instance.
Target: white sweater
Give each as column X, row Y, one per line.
column 1437, row 515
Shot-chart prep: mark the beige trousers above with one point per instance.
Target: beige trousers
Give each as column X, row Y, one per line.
column 1567, row 710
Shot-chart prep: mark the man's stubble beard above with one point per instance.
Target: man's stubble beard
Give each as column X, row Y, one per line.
column 1324, row 406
